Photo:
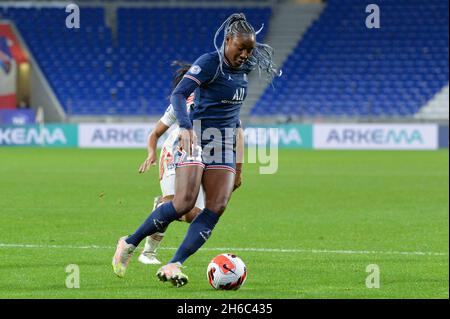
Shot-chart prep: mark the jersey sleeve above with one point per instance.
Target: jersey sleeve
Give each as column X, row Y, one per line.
column 169, row 118
column 203, row 69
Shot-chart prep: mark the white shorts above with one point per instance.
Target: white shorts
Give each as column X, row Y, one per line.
column 167, row 184
column 167, row 171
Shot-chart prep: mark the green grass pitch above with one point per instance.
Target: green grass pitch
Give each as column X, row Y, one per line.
column 308, row 231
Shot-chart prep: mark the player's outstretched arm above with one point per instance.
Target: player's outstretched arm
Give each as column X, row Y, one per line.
column 152, row 143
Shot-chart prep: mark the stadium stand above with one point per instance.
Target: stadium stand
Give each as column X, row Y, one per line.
column 95, row 73
column 341, row 68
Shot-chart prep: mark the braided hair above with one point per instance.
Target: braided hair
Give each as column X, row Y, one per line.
column 262, row 55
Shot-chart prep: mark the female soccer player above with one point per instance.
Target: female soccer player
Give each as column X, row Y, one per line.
column 167, row 167
column 167, row 176
column 219, row 80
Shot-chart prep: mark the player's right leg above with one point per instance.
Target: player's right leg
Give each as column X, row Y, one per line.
column 185, row 198
column 152, row 242
column 122, row 256
column 148, row 255
column 199, row 205
column 218, row 184
column 173, row 271
column 167, row 171
column 188, row 180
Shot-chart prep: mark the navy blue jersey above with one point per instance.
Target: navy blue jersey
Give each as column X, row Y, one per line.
column 218, row 96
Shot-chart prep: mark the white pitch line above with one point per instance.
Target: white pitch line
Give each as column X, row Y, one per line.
column 230, row 249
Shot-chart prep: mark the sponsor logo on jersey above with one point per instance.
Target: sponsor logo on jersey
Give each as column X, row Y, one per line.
column 239, row 94
column 238, row 97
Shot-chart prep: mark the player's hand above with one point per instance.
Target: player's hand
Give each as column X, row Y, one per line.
column 187, row 139
column 149, row 161
column 237, row 180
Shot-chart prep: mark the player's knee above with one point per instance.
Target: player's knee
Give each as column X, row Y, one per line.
column 218, row 206
column 184, row 204
column 189, row 199
column 183, row 208
column 221, row 208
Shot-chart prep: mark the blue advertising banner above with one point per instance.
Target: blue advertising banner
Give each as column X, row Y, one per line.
column 17, row 117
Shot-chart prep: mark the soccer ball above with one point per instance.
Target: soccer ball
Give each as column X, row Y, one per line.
column 226, row 272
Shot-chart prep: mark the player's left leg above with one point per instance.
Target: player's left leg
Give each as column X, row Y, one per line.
column 218, row 185
column 148, row 255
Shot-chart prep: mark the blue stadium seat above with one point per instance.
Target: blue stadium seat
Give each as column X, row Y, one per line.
column 354, row 71
column 94, row 74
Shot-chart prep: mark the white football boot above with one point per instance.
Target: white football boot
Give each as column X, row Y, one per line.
column 148, row 254
column 172, row 272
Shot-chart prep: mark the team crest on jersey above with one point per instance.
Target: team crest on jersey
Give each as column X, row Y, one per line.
column 195, row 69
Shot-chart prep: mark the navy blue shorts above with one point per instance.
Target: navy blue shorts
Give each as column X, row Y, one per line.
column 210, row 155
column 219, row 158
